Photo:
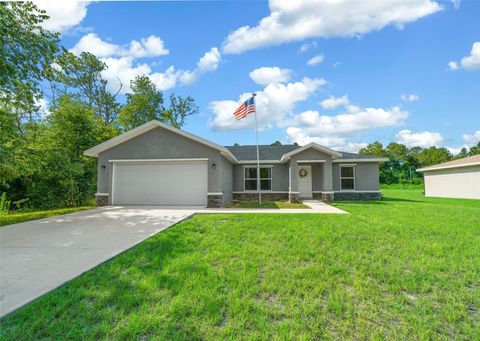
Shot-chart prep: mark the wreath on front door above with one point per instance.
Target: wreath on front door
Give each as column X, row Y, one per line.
column 303, row 173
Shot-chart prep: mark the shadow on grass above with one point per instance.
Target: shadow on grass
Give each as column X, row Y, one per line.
column 399, row 199
column 383, row 201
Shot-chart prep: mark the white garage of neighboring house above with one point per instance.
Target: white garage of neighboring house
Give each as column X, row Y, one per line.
column 454, row 179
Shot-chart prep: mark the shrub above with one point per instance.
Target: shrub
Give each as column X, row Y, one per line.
column 4, row 203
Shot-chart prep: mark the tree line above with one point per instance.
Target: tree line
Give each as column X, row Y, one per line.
column 41, row 153
column 403, row 161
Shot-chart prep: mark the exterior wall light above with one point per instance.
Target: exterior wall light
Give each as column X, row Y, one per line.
column 214, row 166
column 103, row 167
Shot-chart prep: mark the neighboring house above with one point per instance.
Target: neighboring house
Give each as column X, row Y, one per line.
column 156, row 164
column 454, row 179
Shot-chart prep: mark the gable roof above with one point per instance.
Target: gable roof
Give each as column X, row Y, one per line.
column 465, row 162
column 312, row 145
column 94, row 151
column 235, row 154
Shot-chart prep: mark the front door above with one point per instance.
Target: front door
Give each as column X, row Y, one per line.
column 305, row 181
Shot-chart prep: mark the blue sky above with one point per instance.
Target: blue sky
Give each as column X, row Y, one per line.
column 399, row 71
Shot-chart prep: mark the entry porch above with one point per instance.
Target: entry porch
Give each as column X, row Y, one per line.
column 310, row 179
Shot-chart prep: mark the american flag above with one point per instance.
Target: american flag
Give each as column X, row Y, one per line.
column 244, row 109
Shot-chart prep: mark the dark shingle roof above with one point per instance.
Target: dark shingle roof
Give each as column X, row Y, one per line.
column 243, row 153
column 266, row 152
column 346, row 155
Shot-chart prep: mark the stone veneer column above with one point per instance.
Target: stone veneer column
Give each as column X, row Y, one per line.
column 101, row 199
column 215, row 200
column 328, row 196
column 293, row 197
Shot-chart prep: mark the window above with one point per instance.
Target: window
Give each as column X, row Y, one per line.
column 347, row 177
column 251, row 179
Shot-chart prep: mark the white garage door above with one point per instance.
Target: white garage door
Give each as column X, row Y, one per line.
column 160, row 183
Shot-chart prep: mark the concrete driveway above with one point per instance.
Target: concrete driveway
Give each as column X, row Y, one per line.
column 40, row 255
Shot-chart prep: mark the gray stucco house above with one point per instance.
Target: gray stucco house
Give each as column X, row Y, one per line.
column 156, row 164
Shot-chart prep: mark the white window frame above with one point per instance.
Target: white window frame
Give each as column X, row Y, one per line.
column 348, row 177
column 258, row 190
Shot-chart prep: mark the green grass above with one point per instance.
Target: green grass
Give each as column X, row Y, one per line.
column 13, row 218
column 402, row 186
column 405, row 268
column 266, row 204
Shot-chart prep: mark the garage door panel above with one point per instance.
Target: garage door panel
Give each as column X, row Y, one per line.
column 160, row 183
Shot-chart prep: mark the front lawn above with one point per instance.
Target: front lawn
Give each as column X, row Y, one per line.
column 267, row 204
column 402, row 268
column 13, row 218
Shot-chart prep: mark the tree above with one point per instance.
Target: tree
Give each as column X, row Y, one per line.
column 145, row 103
column 433, row 155
column 26, row 48
column 82, row 75
column 396, row 151
column 276, row 143
column 475, row 150
column 60, row 175
column 180, row 108
column 373, row 149
column 463, row 153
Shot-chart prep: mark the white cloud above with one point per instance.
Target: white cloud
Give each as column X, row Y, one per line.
column 123, row 67
column 93, row 44
column 422, row 139
column 469, row 63
column 63, row 14
column 121, row 71
column 333, row 102
column 266, row 75
column 455, row 3
column 151, row 46
column 409, row 98
column 43, row 106
column 307, row 46
column 339, row 131
column 273, row 103
column 472, row 62
column 453, row 65
column 353, row 121
column 298, row 20
column 337, row 143
column 457, row 150
column 472, row 139
column 208, row 63
column 316, row 60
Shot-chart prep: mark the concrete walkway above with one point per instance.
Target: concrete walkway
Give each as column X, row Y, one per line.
column 40, row 255
column 316, row 207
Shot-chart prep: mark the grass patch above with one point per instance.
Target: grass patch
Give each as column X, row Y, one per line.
column 402, row 186
column 13, row 218
column 406, row 267
column 266, row 204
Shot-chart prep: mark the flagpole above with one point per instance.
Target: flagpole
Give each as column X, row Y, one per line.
column 259, row 187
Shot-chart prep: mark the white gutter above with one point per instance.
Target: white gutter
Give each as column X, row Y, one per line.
column 379, row 159
column 432, row 168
